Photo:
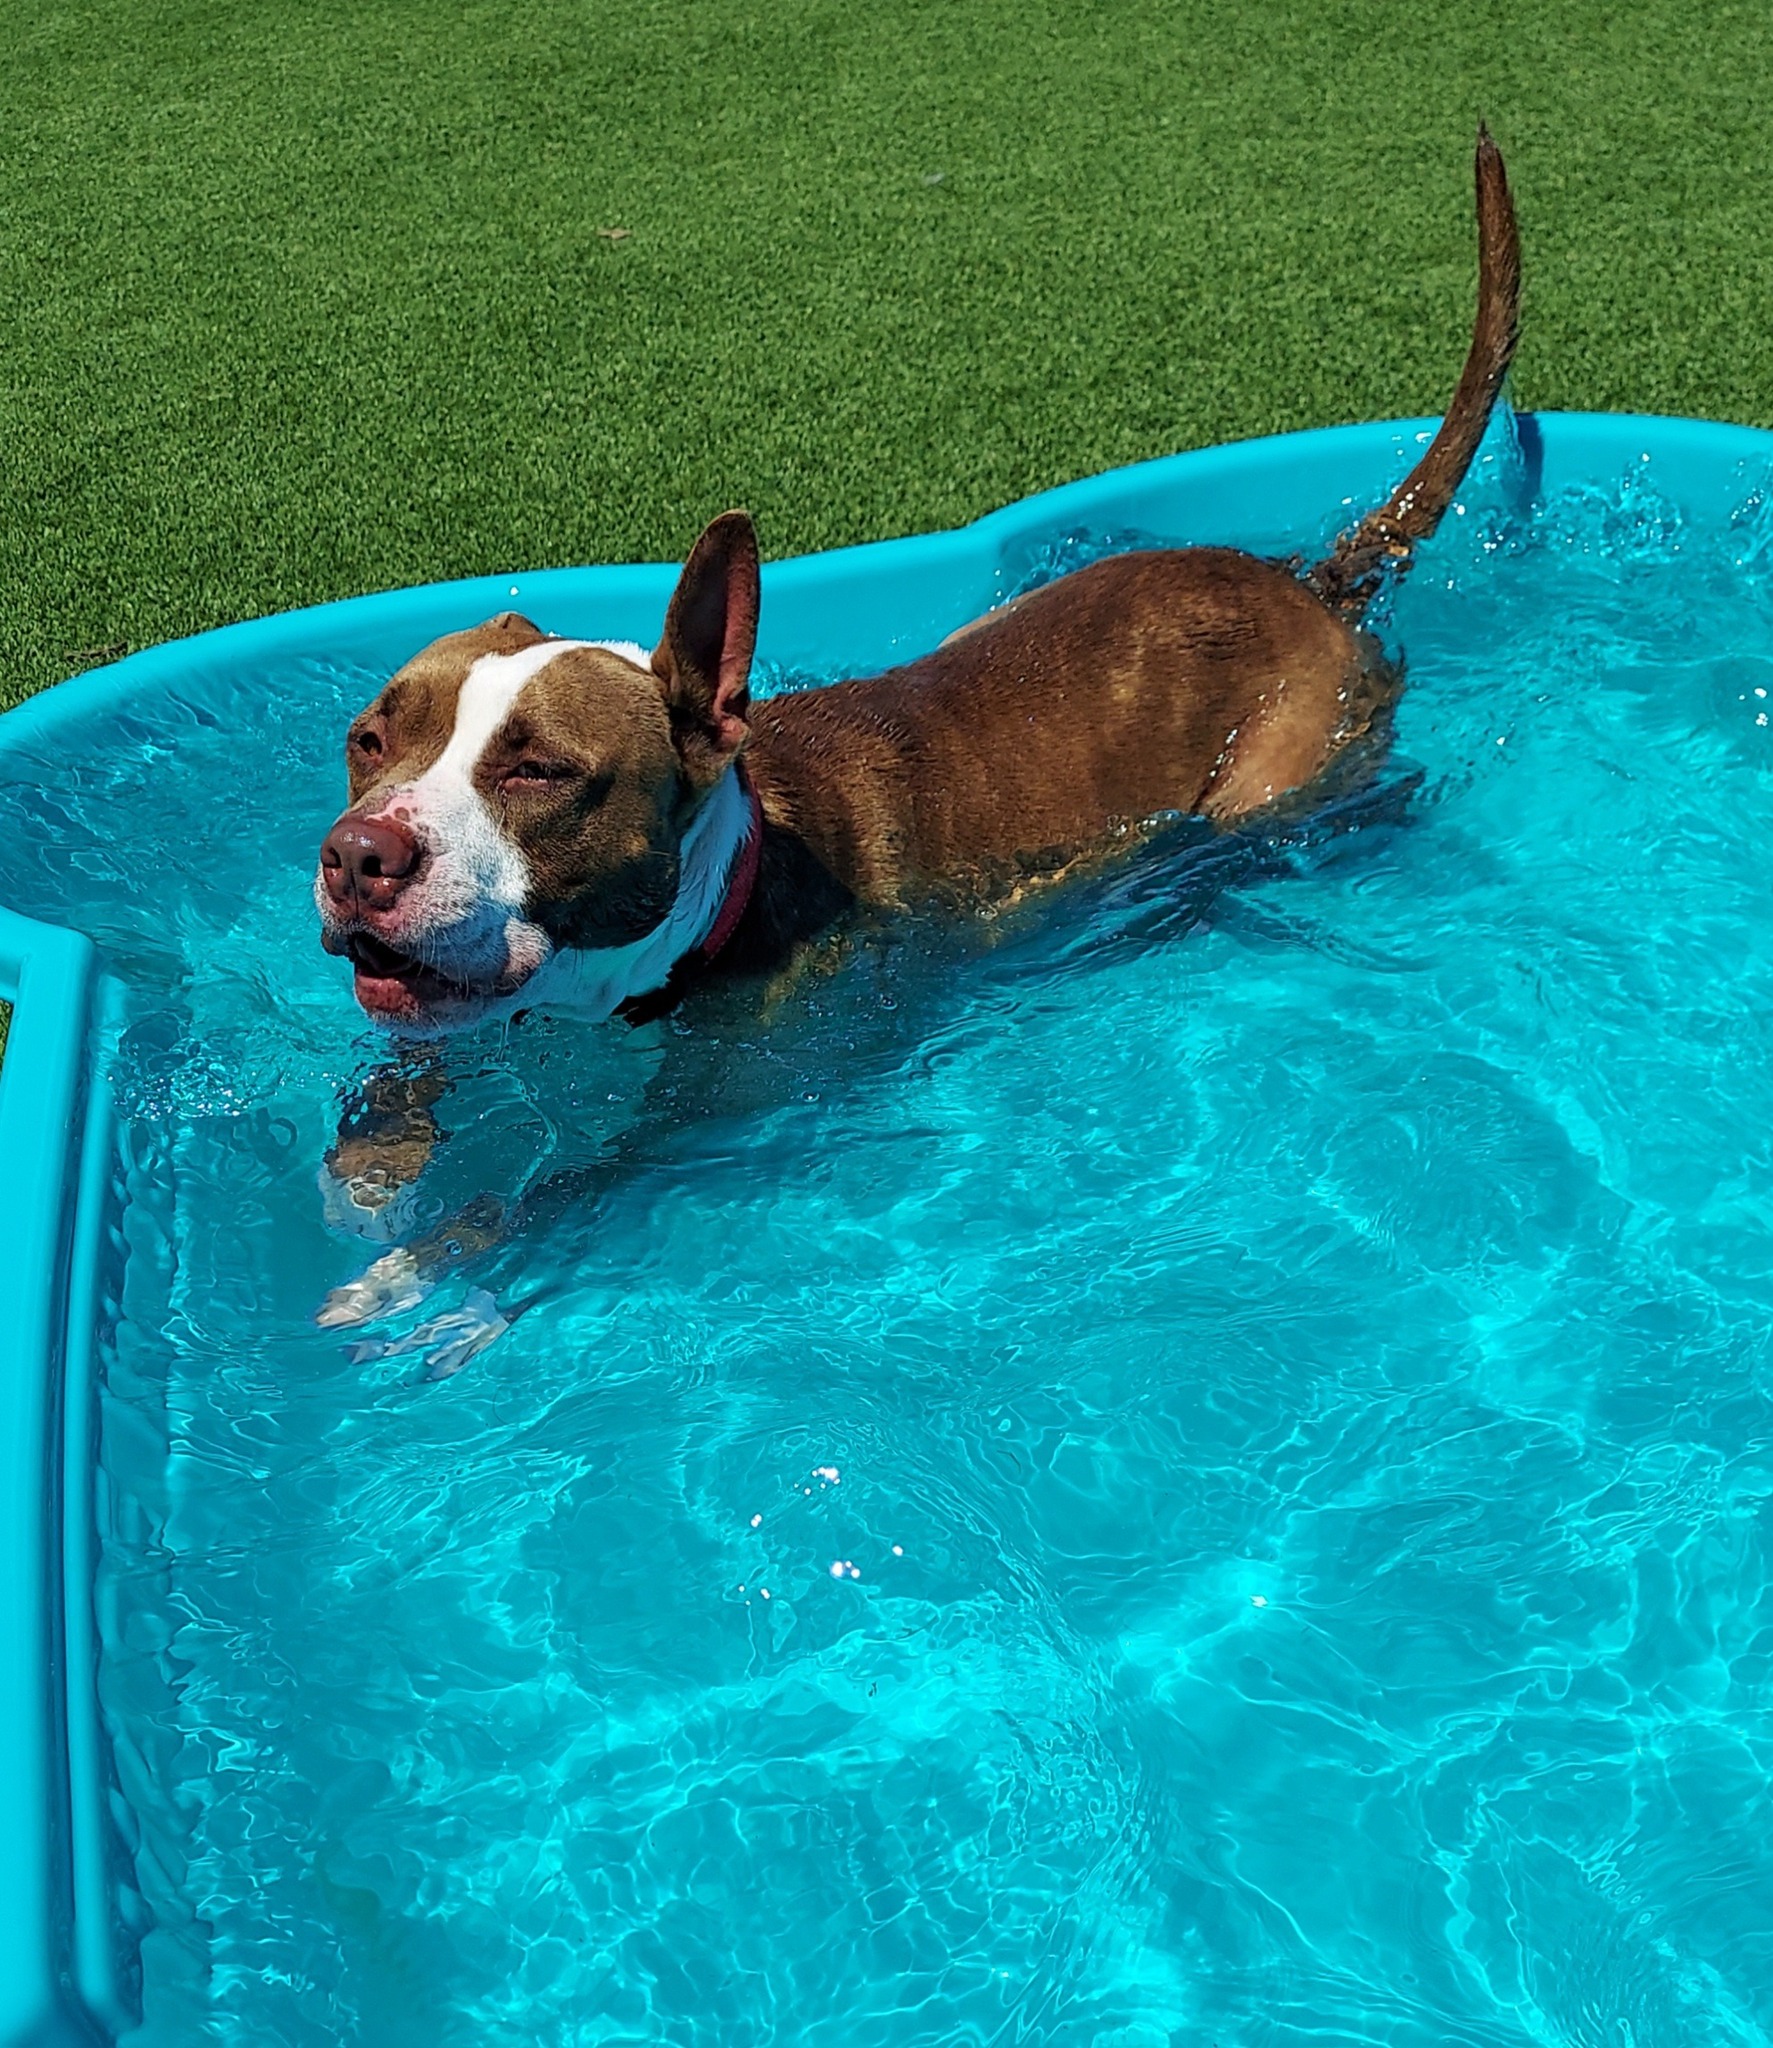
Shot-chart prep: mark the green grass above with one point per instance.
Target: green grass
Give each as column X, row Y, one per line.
column 307, row 298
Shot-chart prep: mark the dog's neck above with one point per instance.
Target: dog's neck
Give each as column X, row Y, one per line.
column 595, row 981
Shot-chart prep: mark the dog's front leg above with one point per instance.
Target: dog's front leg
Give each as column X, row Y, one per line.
column 694, row 1082
column 385, row 1140
column 400, row 1279
column 711, row 1073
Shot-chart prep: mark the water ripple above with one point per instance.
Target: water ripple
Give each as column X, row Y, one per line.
column 1194, row 1469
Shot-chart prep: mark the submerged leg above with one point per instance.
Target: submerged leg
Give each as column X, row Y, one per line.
column 385, row 1141
column 400, row 1279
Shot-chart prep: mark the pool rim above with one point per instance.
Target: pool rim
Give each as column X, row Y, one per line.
column 58, row 1978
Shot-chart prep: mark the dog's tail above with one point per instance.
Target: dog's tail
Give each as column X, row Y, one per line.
column 1350, row 577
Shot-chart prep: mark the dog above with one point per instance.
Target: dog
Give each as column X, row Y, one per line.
column 614, row 830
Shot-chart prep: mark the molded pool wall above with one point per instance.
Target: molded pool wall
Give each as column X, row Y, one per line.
column 856, row 609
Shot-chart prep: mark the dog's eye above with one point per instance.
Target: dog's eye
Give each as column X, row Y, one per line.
column 368, row 742
column 535, row 774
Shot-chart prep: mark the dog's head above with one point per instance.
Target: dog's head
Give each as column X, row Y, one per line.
column 521, row 803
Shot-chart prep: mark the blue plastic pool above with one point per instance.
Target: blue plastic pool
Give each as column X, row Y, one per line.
column 1194, row 1468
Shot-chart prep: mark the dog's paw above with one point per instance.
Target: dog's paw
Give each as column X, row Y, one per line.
column 395, row 1282
column 446, row 1343
column 452, row 1340
column 372, row 1205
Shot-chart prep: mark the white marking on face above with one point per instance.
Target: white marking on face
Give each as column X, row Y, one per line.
column 464, row 915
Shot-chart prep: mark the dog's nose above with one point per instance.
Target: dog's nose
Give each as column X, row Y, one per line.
column 366, row 862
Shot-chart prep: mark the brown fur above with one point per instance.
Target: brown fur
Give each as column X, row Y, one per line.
column 1176, row 681
column 1187, row 680
column 1179, row 680
column 602, row 844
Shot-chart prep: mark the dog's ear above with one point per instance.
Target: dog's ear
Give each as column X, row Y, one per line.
column 703, row 662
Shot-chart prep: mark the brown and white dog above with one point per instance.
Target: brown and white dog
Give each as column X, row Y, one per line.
column 589, row 824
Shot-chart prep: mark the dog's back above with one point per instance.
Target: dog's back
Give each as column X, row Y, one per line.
column 1177, row 680
column 1171, row 680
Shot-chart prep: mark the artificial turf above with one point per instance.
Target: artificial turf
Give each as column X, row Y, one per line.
column 306, row 297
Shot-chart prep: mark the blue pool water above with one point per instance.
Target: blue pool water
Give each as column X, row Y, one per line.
column 1193, row 1469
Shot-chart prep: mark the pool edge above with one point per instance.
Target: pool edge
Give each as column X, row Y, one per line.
column 57, row 1968
column 49, row 974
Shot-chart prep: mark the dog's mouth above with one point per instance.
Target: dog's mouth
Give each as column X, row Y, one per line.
column 396, row 984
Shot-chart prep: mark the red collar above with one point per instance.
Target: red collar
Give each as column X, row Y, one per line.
column 743, row 878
